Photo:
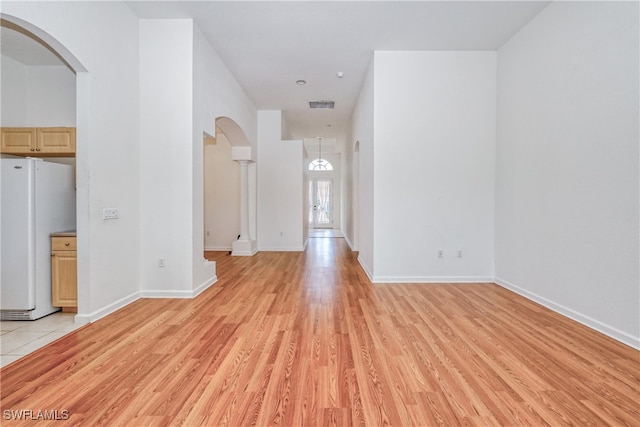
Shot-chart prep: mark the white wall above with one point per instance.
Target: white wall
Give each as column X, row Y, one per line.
column 13, row 90
column 216, row 93
column 362, row 131
column 51, row 96
column 221, row 196
column 107, row 126
column 434, row 166
column 280, row 193
column 166, row 171
column 567, row 174
column 347, row 176
column 37, row 96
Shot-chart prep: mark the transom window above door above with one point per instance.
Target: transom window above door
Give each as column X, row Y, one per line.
column 320, row 165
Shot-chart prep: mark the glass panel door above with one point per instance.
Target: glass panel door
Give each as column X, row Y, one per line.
column 322, row 199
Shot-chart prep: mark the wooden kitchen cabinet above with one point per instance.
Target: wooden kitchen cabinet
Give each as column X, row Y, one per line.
column 64, row 276
column 39, row 142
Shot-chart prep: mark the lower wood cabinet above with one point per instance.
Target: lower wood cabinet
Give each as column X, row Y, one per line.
column 64, row 276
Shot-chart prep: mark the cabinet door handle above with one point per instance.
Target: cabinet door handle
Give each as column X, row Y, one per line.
column 66, row 243
column 37, row 149
column 33, row 149
column 52, row 254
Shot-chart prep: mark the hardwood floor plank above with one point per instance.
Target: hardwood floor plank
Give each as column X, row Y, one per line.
column 304, row 339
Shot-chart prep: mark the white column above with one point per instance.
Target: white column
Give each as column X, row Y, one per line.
column 244, row 200
column 244, row 246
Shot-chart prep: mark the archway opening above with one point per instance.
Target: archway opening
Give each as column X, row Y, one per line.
column 56, row 85
column 225, row 201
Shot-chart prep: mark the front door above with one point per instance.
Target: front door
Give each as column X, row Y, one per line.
column 321, row 193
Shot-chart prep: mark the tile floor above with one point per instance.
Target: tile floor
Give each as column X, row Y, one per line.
column 20, row 337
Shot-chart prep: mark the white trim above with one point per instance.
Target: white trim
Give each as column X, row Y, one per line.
column 82, row 319
column 365, row 268
column 433, row 279
column 244, row 248
column 252, row 253
column 282, row 249
column 346, row 239
column 186, row 294
column 205, row 285
column 591, row 323
column 111, row 308
column 218, row 248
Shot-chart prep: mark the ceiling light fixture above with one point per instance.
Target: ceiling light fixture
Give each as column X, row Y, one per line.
column 301, row 82
column 339, row 74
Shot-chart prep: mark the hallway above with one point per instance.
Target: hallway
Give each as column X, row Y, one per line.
column 303, row 338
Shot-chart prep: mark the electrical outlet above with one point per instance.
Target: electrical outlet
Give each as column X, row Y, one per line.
column 161, row 263
column 440, row 253
column 281, row 233
column 109, row 213
column 459, row 253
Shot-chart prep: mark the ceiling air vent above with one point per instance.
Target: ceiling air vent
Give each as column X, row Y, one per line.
column 321, row 104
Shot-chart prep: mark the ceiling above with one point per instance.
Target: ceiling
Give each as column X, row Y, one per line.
column 269, row 45
column 20, row 45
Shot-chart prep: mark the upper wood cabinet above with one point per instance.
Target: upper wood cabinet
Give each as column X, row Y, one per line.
column 39, row 142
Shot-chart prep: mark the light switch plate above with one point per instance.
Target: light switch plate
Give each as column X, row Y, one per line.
column 110, row 213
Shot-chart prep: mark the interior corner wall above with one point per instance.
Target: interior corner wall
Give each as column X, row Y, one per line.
column 567, row 204
column 107, row 123
column 347, row 178
column 221, row 196
column 434, row 166
column 362, row 130
column 280, row 192
column 216, row 93
column 166, row 141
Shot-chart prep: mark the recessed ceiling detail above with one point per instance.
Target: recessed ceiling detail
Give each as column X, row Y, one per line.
column 322, row 104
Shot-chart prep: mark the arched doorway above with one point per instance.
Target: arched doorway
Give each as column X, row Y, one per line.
column 72, row 113
column 229, row 200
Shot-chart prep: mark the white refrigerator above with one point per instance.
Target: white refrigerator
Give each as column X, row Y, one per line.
column 37, row 198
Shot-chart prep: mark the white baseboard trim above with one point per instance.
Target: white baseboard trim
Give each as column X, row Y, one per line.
column 111, row 308
column 180, row 294
column 432, row 279
column 282, row 249
column 153, row 293
column 252, row 253
column 218, row 248
column 607, row 330
column 365, row 268
column 205, row 285
column 83, row 319
column 351, row 246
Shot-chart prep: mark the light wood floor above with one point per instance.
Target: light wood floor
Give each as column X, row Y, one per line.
column 303, row 339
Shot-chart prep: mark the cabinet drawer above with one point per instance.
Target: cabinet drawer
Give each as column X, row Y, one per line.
column 63, row 244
